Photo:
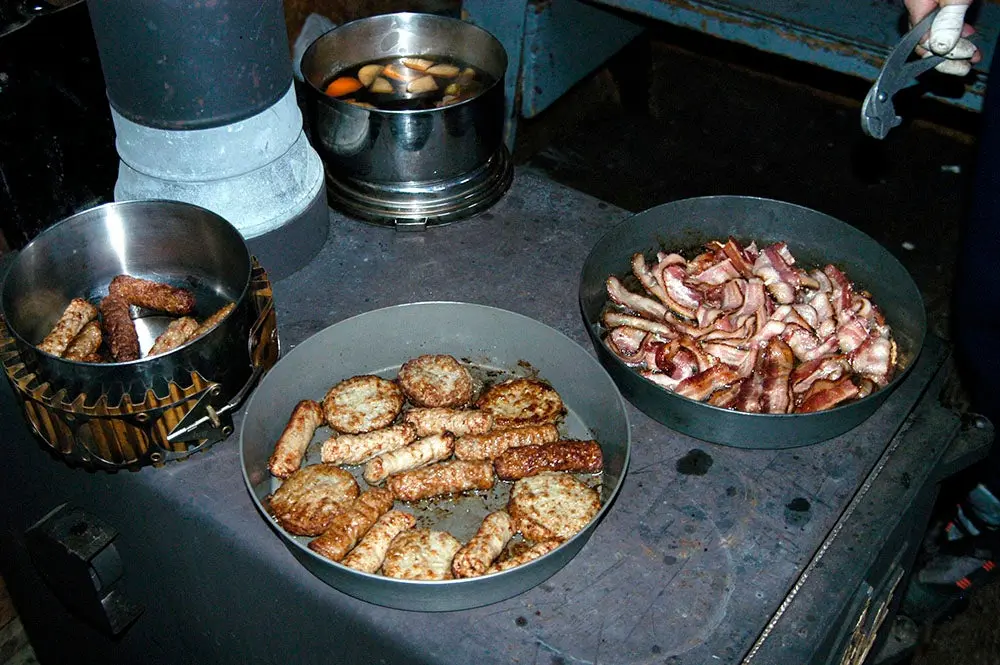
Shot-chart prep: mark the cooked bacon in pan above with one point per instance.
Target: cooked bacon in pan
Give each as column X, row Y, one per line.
column 747, row 329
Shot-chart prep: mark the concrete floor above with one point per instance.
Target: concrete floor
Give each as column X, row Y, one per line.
column 679, row 115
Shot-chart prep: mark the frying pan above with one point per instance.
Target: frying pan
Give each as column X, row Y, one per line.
column 484, row 338
column 815, row 239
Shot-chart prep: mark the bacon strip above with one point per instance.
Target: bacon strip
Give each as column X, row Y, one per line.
column 633, row 301
column 700, row 386
column 827, row 394
column 612, row 319
column 778, row 363
column 735, row 253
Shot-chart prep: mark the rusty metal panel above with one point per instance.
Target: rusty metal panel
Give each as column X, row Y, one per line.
column 850, row 38
column 552, row 44
column 564, row 41
column 505, row 20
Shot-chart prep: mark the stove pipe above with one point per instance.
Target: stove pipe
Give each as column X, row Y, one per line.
column 204, row 109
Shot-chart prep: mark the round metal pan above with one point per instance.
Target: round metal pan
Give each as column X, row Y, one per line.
column 815, row 239
column 488, row 340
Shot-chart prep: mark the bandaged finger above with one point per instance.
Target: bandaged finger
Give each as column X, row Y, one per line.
column 946, row 29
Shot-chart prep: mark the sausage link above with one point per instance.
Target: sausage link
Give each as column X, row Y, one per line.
column 348, row 527
column 359, row 448
column 488, row 446
column 214, row 319
column 86, row 343
column 476, row 556
column 119, row 330
column 177, row 333
column 370, row 552
column 438, row 479
column 438, row 420
column 530, row 554
column 572, row 456
column 77, row 314
column 424, row 451
column 291, row 447
column 152, row 295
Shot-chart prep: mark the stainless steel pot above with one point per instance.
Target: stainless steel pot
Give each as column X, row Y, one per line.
column 428, row 166
column 148, row 410
column 814, row 239
column 378, row 342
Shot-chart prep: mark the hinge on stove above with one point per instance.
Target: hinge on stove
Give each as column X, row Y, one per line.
column 206, row 420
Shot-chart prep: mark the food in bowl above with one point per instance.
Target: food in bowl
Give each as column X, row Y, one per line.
column 529, row 489
column 410, row 83
column 747, row 329
column 107, row 333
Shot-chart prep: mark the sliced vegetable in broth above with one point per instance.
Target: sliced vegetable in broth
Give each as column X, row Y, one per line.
column 409, row 83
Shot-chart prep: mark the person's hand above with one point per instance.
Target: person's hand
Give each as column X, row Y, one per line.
column 948, row 35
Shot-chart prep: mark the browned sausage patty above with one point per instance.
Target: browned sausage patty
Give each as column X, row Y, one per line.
column 77, row 314
column 421, row 554
column 119, row 330
column 572, row 456
column 152, row 295
column 308, row 500
column 520, row 402
column 436, row 380
column 362, row 404
column 552, row 506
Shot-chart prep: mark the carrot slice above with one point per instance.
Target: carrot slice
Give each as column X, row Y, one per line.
column 344, row 85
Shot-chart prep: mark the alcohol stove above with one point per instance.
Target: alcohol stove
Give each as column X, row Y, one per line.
column 158, row 408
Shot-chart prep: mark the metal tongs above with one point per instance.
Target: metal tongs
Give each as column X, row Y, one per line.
column 878, row 115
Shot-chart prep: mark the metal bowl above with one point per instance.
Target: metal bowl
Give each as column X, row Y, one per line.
column 379, row 342
column 128, row 413
column 431, row 166
column 814, row 239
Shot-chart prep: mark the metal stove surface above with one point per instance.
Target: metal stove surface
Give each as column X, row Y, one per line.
column 706, row 556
